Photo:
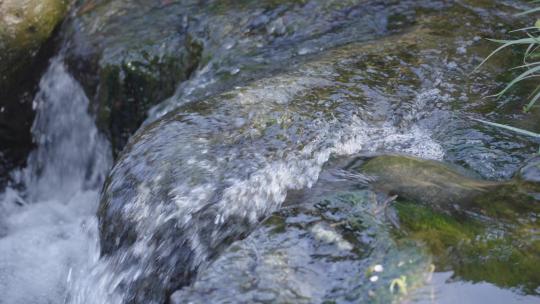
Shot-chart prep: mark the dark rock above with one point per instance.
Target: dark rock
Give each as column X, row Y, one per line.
column 129, row 56
column 127, row 66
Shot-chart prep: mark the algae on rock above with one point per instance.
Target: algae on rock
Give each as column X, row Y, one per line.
column 24, row 26
column 448, row 189
column 481, row 230
column 503, row 252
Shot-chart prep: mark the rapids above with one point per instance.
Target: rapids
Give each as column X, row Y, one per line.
column 234, row 188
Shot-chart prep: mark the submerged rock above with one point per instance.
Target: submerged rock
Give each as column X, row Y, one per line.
column 326, row 247
column 425, row 181
column 334, row 242
column 501, row 251
column 445, row 188
column 493, row 237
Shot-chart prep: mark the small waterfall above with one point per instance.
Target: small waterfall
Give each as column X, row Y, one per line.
column 72, row 156
column 49, row 229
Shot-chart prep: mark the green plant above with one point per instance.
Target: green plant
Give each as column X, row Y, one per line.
column 530, row 66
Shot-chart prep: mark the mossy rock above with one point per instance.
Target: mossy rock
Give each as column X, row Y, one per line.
column 128, row 56
column 480, row 230
column 290, row 120
column 24, row 26
column 476, row 249
column 129, row 88
column 448, row 188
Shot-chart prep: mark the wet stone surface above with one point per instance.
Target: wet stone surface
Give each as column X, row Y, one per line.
column 126, row 66
column 239, row 186
column 231, row 158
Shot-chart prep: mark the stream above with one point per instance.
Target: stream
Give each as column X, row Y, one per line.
column 218, row 152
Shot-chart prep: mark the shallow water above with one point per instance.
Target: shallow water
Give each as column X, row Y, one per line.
column 443, row 289
column 240, row 156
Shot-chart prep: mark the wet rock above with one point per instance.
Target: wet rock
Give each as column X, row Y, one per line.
column 448, row 189
column 248, row 40
column 196, row 50
column 24, row 26
column 127, row 66
column 129, row 56
column 494, row 236
column 204, row 175
column 286, row 261
column 426, row 181
column 225, row 172
column 286, row 254
column 26, row 44
column 504, row 252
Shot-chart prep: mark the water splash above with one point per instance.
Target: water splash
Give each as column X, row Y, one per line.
column 49, row 229
column 188, row 185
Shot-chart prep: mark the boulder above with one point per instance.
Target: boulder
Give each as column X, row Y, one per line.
column 193, row 181
column 132, row 56
column 24, row 26
column 128, row 56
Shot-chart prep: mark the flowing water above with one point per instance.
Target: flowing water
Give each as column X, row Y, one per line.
column 235, row 189
column 49, row 230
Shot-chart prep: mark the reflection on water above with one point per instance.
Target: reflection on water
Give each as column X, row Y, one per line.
column 445, row 290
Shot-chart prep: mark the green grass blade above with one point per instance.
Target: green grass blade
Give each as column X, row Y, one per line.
column 519, row 78
column 505, row 44
column 524, row 29
column 510, row 128
column 532, row 101
column 527, row 12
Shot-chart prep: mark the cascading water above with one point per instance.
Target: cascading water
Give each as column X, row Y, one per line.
column 207, row 174
column 204, row 173
column 49, row 229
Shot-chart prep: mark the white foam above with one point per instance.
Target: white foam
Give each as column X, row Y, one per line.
column 51, row 229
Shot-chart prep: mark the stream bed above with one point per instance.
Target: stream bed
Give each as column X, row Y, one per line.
column 275, row 152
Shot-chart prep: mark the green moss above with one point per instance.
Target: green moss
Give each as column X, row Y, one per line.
column 505, row 254
column 493, row 236
column 438, row 230
column 450, row 189
column 24, row 26
column 130, row 87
